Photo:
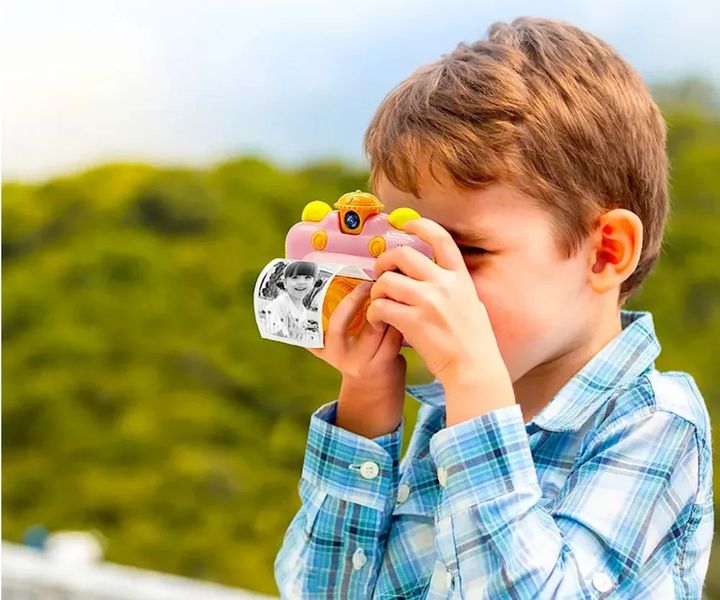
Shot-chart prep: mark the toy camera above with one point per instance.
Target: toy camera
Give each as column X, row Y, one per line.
column 354, row 234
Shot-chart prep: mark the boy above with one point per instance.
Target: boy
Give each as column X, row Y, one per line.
column 550, row 458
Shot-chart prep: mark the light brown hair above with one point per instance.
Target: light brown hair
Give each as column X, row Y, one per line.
column 544, row 106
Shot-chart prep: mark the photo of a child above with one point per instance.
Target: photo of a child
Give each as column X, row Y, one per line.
column 292, row 314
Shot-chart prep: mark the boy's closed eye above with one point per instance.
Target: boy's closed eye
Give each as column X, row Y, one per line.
column 473, row 250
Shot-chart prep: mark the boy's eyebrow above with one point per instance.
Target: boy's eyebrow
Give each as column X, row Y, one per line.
column 468, row 236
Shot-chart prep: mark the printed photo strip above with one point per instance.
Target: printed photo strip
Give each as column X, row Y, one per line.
column 291, row 299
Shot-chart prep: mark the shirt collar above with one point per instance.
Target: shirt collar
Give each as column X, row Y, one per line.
column 625, row 357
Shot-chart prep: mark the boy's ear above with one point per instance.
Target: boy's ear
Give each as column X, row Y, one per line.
column 617, row 244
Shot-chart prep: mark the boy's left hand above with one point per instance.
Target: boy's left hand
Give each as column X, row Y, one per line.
column 436, row 308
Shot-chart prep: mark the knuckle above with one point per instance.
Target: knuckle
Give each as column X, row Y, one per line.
column 404, row 251
column 434, row 300
column 382, row 281
column 373, row 308
column 334, row 327
column 446, row 280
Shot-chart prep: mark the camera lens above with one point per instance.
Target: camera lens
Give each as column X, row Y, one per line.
column 352, row 220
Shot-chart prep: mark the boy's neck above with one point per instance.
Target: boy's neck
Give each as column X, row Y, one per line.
column 535, row 389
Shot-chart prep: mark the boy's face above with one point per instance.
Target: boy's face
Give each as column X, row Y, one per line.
column 537, row 301
column 298, row 285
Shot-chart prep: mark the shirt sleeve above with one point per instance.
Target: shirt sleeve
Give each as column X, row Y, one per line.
column 628, row 499
column 336, row 542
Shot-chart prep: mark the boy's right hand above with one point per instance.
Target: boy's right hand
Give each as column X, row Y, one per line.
column 373, row 387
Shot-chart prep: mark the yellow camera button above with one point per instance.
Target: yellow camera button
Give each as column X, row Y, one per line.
column 400, row 216
column 315, row 211
column 319, row 239
column 376, row 246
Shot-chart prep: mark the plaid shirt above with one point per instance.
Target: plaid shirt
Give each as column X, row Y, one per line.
column 606, row 493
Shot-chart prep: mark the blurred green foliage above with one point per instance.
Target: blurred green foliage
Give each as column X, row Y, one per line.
column 139, row 398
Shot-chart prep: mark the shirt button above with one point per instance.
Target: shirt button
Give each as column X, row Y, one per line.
column 359, row 559
column 602, row 582
column 442, row 476
column 369, row 469
column 403, row 492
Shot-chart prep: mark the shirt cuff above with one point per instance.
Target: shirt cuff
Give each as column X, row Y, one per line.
column 350, row 466
column 482, row 458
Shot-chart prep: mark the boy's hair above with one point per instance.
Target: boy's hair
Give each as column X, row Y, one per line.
column 544, row 106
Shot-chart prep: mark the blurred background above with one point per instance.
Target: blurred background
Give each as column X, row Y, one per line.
column 154, row 155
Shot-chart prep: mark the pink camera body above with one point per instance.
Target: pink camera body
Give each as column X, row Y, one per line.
column 356, row 234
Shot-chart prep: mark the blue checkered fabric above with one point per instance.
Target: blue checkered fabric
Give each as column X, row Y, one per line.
column 606, row 493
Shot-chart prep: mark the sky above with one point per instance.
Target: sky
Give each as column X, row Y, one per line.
column 180, row 82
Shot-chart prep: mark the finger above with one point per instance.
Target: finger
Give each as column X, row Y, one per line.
column 368, row 341
column 407, row 260
column 390, row 344
column 385, row 311
column 343, row 315
column 445, row 250
column 398, row 287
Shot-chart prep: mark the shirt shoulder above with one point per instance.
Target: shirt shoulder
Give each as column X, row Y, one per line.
column 676, row 392
column 673, row 393
column 669, row 399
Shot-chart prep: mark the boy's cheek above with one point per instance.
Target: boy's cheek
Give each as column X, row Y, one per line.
column 523, row 344
column 523, row 327
column 509, row 334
